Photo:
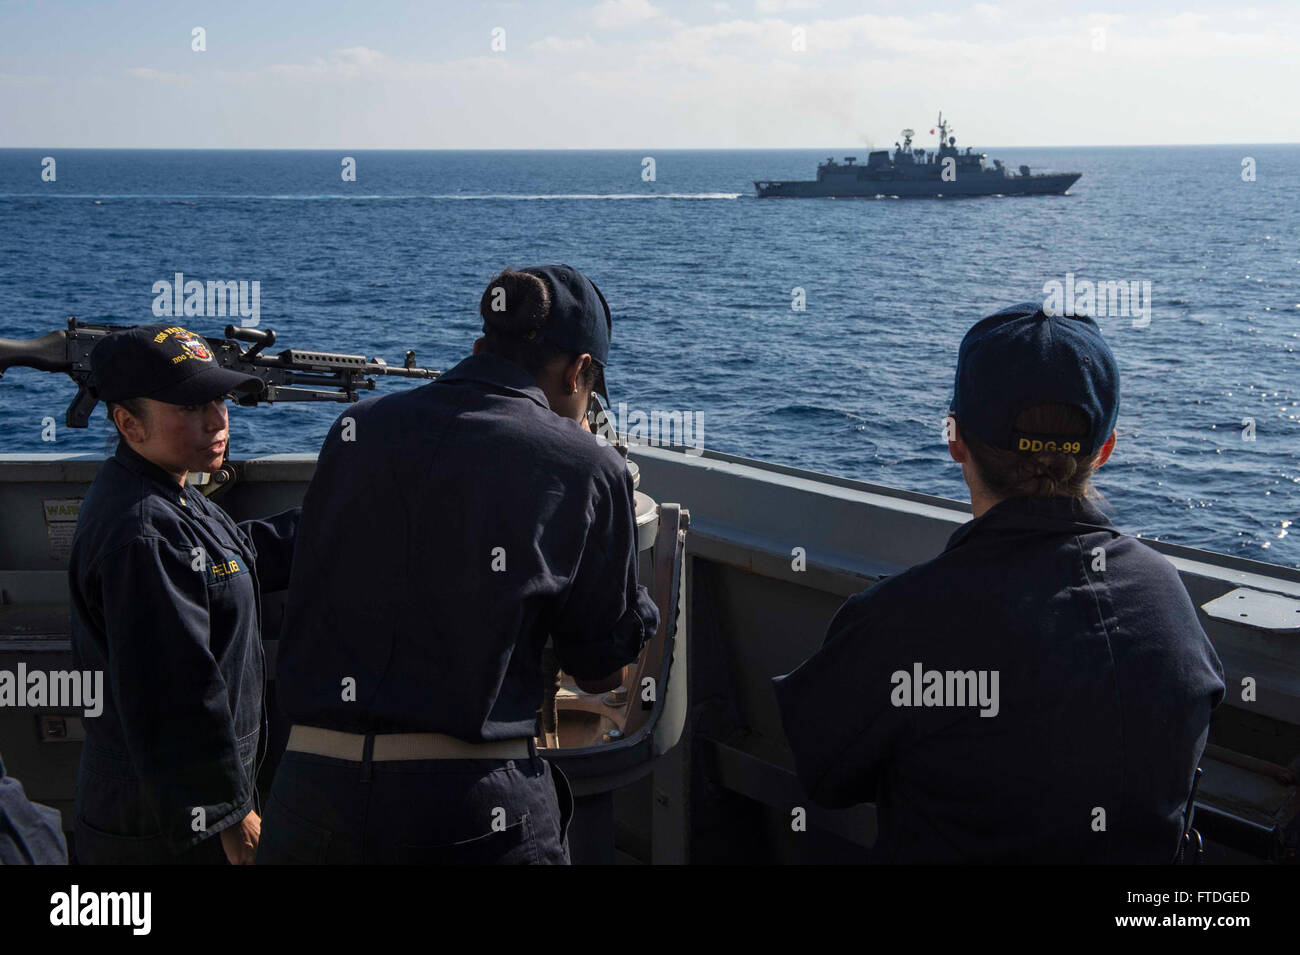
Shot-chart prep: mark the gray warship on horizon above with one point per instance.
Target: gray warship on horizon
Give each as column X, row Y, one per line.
column 917, row 173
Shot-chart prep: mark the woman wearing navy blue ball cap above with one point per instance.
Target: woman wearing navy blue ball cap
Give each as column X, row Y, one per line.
column 1040, row 691
column 166, row 592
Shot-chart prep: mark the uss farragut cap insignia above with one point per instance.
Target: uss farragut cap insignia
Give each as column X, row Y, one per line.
column 166, row 363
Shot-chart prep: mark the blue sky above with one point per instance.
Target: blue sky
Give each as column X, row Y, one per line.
column 628, row 74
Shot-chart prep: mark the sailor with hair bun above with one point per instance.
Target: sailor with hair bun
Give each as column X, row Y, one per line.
column 448, row 533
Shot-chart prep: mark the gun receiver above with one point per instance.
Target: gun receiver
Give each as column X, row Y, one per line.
column 293, row 374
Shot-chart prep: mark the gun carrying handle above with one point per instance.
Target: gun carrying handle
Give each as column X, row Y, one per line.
column 260, row 339
column 47, row 353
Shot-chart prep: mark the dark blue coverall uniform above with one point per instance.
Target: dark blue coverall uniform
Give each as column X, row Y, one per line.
column 1106, row 683
column 30, row 834
column 166, row 602
column 464, row 524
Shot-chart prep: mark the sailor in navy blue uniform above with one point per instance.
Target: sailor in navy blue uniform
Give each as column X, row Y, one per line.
column 30, row 834
column 166, row 603
column 1040, row 691
column 447, row 532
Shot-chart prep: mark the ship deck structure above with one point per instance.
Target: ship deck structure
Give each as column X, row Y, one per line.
column 702, row 773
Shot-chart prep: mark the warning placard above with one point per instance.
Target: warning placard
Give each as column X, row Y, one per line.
column 60, row 524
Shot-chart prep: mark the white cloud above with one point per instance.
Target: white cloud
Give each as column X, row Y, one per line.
column 351, row 62
column 616, row 14
column 360, row 55
column 562, row 44
column 1183, row 22
column 149, row 74
column 780, row 6
column 731, row 83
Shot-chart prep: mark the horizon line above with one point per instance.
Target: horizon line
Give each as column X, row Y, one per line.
column 597, row 149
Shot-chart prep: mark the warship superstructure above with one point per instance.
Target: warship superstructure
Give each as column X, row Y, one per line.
column 915, row 172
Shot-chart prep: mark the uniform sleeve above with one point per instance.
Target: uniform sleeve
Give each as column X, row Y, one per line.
column 30, row 834
column 171, row 696
column 606, row 616
column 273, row 540
column 836, row 709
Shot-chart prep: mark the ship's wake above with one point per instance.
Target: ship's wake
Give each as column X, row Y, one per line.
column 501, row 196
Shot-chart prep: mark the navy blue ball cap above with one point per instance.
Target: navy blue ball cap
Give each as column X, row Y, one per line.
column 163, row 362
column 579, row 320
column 1021, row 357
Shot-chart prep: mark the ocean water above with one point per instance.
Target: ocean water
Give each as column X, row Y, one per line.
column 699, row 276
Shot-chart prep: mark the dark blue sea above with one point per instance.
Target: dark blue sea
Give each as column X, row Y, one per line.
column 700, row 276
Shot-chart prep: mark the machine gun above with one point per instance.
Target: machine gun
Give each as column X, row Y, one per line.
column 293, row 374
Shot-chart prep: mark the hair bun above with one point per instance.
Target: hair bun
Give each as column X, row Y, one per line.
column 515, row 304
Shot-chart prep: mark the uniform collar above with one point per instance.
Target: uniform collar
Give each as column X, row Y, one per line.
column 499, row 373
column 142, row 466
column 1044, row 514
